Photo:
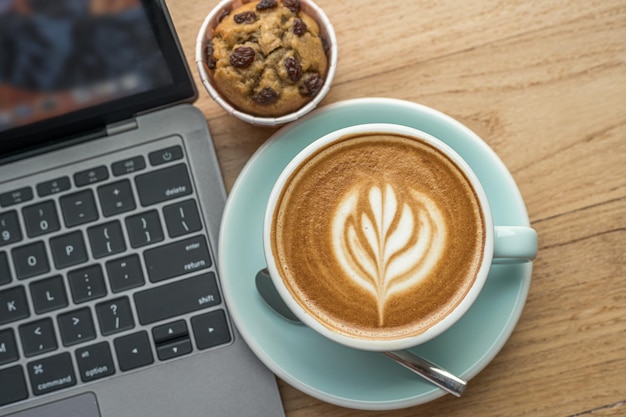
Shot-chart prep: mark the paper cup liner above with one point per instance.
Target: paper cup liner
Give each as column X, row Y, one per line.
column 206, row 32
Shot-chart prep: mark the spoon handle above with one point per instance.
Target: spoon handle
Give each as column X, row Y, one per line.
column 428, row 370
column 438, row 376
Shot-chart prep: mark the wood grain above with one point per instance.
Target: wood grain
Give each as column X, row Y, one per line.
column 543, row 82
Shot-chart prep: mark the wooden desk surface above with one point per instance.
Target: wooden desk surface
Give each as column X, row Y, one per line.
column 543, row 82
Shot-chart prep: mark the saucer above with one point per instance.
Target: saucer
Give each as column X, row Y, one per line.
column 325, row 369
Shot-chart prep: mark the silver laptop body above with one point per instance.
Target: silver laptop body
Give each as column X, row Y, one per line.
column 110, row 298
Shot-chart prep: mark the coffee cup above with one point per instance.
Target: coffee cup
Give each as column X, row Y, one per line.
column 380, row 237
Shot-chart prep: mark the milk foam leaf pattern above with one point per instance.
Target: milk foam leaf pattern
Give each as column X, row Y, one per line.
column 386, row 244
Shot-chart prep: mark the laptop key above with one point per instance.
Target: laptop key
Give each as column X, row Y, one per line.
column 54, row 186
column 177, row 258
column 166, row 155
column 30, row 260
column 87, row 283
column 174, row 349
column 91, row 176
column 48, row 294
column 177, row 298
column 170, row 331
column 51, row 374
column 116, row 198
column 79, row 208
column 164, row 184
column 144, row 229
column 94, row 361
column 210, row 329
column 115, row 316
column 172, row 340
column 41, row 218
column 76, row 327
column 133, row 351
column 125, row 273
column 38, row 337
column 68, row 250
column 9, row 228
column 8, row 347
column 182, row 218
column 16, row 390
column 128, row 166
column 106, row 239
column 13, row 305
column 14, row 197
column 5, row 272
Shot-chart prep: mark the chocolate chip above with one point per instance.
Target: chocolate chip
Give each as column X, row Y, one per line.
column 245, row 17
column 312, row 85
column 210, row 59
column 293, row 5
column 266, row 4
column 299, row 27
column 242, row 57
column 294, row 69
column 266, row 96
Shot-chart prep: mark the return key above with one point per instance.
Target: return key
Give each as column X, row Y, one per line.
column 178, row 258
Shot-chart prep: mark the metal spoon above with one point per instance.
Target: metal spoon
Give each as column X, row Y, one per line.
column 426, row 369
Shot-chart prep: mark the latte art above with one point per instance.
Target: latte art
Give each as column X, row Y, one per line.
column 377, row 236
column 386, row 245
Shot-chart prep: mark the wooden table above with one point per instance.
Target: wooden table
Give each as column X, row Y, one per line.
column 543, row 82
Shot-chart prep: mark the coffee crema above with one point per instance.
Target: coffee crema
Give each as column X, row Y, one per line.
column 378, row 236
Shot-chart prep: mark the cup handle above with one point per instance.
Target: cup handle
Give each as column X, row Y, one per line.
column 514, row 244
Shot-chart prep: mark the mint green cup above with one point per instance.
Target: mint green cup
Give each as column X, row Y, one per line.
column 502, row 244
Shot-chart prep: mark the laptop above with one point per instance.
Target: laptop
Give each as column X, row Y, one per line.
column 110, row 204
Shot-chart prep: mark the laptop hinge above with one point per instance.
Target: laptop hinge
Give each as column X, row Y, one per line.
column 121, row 127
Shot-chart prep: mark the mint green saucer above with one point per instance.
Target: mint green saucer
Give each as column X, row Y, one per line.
column 324, row 369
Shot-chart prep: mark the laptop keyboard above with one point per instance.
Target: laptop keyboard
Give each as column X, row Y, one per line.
column 104, row 269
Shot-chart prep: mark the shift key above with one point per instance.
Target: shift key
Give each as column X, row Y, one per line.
column 177, row 258
column 177, row 298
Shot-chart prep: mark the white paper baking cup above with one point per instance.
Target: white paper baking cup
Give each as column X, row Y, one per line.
column 206, row 33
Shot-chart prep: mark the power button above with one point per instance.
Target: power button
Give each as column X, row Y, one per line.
column 163, row 156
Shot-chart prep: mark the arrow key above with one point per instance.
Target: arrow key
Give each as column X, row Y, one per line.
column 133, row 351
column 167, row 332
column 211, row 329
column 173, row 349
column 172, row 340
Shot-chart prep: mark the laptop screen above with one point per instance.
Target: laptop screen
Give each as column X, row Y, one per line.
column 71, row 66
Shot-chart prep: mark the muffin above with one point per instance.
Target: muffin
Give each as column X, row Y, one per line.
column 267, row 58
